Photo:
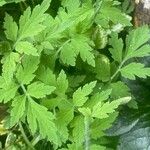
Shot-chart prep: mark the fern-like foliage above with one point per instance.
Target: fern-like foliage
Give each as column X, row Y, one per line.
column 58, row 73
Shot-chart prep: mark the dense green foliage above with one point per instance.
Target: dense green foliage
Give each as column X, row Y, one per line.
column 66, row 75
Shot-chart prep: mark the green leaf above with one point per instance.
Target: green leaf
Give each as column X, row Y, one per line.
column 8, row 91
column 3, row 2
column 63, row 118
column 40, row 119
column 82, row 46
column 18, row 109
column 135, row 69
column 9, row 65
column 26, row 48
column 62, row 83
column 117, row 47
column 68, row 55
column 121, row 87
column 86, row 112
column 77, row 45
column 109, row 12
column 30, row 23
column 97, row 147
column 102, row 68
column 25, row 73
column 136, row 39
column 39, row 90
column 140, row 52
column 71, row 5
column 101, row 110
column 80, row 96
column 75, row 81
column 46, row 76
column 65, row 115
column 11, row 28
column 4, row 47
column 97, row 97
column 99, row 126
column 78, row 130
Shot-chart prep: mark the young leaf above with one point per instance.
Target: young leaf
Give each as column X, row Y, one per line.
column 30, row 23
column 68, row 55
column 9, row 65
column 109, row 12
column 135, row 69
column 8, row 91
column 25, row 72
column 18, row 109
column 78, row 130
column 80, row 96
column 26, row 48
column 62, row 83
column 77, row 45
column 81, row 45
column 140, row 52
column 39, row 118
column 117, row 47
column 63, row 118
column 100, row 96
column 135, row 40
column 121, row 87
column 39, row 90
column 97, row 147
column 102, row 68
column 11, row 28
column 101, row 110
column 46, row 76
column 98, row 126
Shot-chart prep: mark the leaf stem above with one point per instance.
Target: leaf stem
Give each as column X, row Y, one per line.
column 66, row 42
column 117, row 71
column 36, row 140
column 87, row 135
column 25, row 137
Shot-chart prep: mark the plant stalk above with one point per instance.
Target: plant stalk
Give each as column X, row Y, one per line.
column 87, row 133
column 25, row 137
